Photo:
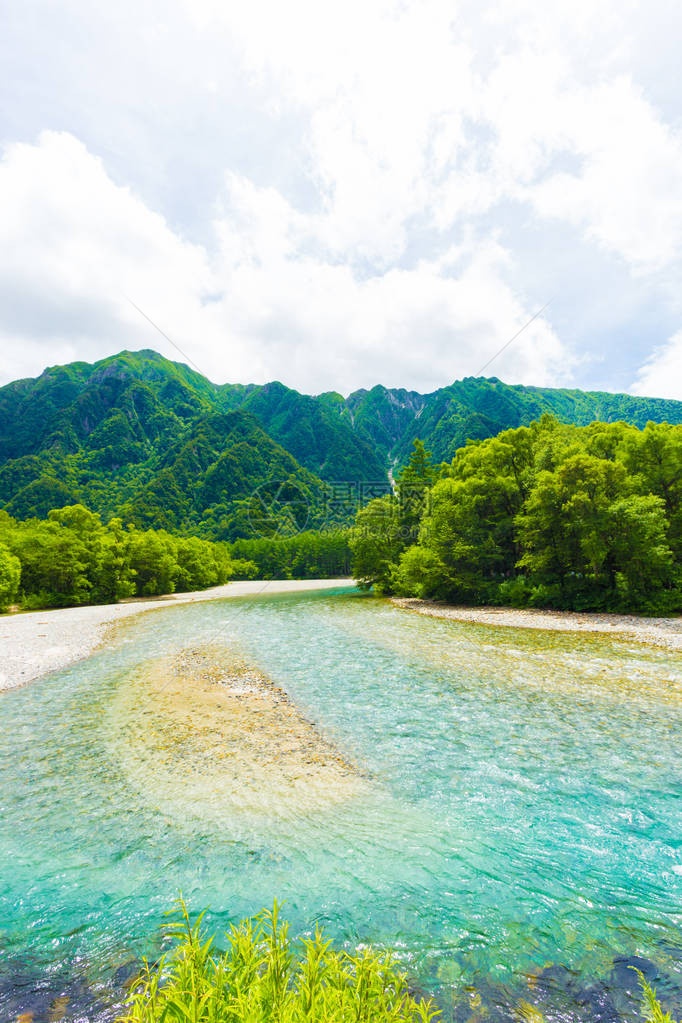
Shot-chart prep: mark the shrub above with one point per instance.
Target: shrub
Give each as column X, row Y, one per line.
column 261, row 978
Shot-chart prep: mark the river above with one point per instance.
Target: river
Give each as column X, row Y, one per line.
column 517, row 836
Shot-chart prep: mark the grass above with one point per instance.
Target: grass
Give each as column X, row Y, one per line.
column 265, row 977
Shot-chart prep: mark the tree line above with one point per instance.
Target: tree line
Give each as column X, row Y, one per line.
column 313, row 554
column 72, row 558
column 550, row 515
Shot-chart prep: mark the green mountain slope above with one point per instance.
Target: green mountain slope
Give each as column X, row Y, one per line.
column 476, row 408
column 222, row 476
column 384, row 416
column 318, row 432
column 157, row 442
column 143, row 437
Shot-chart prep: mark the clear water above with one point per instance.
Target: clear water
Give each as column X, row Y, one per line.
column 519, row 838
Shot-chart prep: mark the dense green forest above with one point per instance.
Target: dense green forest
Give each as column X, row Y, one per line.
column 551, row 515
column 155, row 443
column 70, row 558
column 313, row 554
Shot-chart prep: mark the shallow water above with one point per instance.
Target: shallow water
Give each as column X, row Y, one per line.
column 518, row 838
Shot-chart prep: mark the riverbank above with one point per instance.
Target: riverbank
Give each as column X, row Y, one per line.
column 35, row 643
column 665, row 632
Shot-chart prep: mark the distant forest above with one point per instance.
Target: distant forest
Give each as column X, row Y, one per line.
column 71, row 558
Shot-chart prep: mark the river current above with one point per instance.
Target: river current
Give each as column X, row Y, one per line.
column 517, row 838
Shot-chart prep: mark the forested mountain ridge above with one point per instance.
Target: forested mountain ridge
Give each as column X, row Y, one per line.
column 156, row 441
column 477, row 408
column 138, row 435
column 318, row 431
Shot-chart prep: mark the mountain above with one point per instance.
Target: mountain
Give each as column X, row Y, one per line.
column 319, row 432
column 151, row 440
column 158, row 443
column 476, row 408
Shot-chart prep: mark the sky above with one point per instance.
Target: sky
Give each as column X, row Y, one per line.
column 342, row 194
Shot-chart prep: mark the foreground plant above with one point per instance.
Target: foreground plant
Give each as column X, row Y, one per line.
column 653, row 1011
column 263, row 977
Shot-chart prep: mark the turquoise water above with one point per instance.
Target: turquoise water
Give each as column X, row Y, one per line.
column 519, row 836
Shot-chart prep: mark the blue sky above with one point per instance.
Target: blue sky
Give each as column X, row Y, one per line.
column 336, row 195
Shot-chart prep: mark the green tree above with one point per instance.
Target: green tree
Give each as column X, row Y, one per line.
column 54, row 565
column 116, row 578
column 376, row 543
column 152, row 559
column 469, row 525
column 420, row 573
column 645, row 569
column 654, row 455
column 10, row 574
column 586, row 536
column 200, row 564
column 412, row 487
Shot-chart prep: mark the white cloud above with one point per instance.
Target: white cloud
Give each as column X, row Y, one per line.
column 445, row 110
column 627, row 190
column 73, row 245
column 661, row 374
column 268, row 301
column 363, row 178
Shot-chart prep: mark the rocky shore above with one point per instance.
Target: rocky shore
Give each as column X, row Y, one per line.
column 37, row 642
column 664, row 632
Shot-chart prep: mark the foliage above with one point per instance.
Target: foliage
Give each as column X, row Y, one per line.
column 10, row 573
column 155, row 443
column 263, row 976
column 653, row 1010
column 386, row 526
column 309, row 555
column 547, row 515
column 72, row 558
column 376, row 543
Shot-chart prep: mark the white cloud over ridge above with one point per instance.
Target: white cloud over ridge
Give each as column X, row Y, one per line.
column 418, row 146
column 75, row 247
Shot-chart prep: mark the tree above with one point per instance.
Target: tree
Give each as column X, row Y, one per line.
column 469, row 526
column 376, row 543
column 152, row 558
column 551, row 514
column 54, row 565
column 420, row 573
column 200, row 564
column 654, row 455
column 10, row 574
column 589, row 541
column 413, row 484
column 116, row 577
column 644, row 563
